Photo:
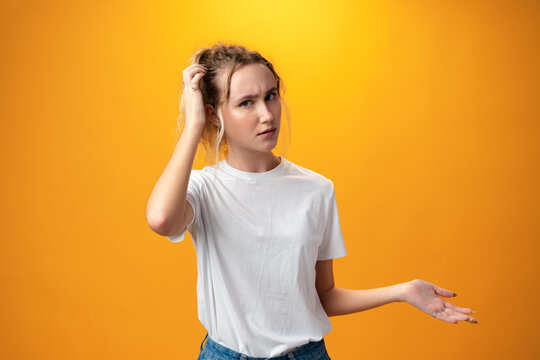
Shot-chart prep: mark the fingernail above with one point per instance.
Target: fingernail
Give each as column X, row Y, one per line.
column 472, row 312
column 455, row 294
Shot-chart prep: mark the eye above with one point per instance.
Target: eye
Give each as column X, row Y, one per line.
column 273, row 95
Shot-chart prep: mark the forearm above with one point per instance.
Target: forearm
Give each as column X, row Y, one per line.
column 341, row 301
column 168, row 198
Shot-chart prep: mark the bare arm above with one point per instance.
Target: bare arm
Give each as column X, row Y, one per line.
column 340, row 301
column 167, row 211
column 419, row 293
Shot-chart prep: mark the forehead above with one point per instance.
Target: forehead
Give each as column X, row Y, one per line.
column 251, row 79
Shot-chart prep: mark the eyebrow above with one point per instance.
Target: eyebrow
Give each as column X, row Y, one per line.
column 254, row 96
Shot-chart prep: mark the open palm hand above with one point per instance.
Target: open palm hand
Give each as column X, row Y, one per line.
column 424, row 296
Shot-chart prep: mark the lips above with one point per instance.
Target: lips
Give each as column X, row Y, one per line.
column 269, row 130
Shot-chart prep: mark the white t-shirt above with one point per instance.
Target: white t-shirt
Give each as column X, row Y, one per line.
column 257, row 238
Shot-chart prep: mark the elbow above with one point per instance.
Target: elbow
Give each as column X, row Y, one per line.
column 162, row 225
column 157, row 223
column 324, row 299
column 328, row 310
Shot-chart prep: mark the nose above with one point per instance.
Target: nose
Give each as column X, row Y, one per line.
column 265, row 114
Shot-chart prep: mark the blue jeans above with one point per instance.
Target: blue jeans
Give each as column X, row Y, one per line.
column 310, row 351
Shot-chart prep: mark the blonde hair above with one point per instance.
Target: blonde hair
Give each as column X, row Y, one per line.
column 225, row 57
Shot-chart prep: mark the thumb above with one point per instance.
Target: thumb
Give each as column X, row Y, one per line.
column 444, row 292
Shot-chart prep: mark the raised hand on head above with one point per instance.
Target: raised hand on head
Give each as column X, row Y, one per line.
column 192, row 100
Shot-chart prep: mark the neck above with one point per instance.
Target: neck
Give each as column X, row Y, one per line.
column 256, row 163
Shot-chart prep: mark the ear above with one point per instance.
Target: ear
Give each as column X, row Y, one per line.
column 211, row 114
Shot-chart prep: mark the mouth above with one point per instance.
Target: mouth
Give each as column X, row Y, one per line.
column 268, row 131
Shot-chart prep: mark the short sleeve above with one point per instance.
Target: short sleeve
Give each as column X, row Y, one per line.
column 193, row 196
column 333, row 244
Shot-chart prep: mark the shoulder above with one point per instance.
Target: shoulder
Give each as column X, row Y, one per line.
column 310, row 177
column 207, row 172
column 210, row 175
column 201, row 178
column 198, row 175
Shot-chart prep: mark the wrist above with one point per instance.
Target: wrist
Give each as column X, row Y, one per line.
column 402, row 291
column 193, row 127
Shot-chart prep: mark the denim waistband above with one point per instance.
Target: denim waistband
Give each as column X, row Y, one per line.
column 217, row 351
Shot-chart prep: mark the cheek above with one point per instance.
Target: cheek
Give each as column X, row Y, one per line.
column 278, row 110
column 277, row 105
column 238, row 125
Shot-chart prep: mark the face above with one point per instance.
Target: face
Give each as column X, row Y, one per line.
column 253, row 107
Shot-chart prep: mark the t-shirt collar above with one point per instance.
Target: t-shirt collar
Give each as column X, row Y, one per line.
column 252, row 175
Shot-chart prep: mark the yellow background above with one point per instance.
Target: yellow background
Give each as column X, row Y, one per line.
column 424, row 114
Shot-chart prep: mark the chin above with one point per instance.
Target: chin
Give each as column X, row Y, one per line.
column 269, row 148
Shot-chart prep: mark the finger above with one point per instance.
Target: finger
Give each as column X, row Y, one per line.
column 191, row 79
column 189, row 73
column 444, row 316
column 194, row 66
column 467, row 318
column 194, row 84
column 197, row 77
column 444, row 292
column 472, row 320
column 457, row 308
column 452, row 314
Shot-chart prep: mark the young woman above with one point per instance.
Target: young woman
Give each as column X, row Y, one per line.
column 265, row 230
